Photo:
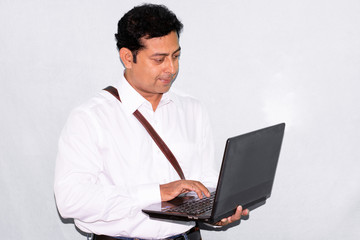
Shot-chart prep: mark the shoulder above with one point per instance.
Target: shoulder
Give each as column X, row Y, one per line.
column 95, row 106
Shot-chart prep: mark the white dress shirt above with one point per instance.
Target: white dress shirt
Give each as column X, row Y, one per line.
column 108, row 167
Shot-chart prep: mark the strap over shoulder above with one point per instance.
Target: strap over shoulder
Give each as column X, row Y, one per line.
column 155, row 136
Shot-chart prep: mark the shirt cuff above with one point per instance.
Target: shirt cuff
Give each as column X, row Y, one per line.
column 147, row 194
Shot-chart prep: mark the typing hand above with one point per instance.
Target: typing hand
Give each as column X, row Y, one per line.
column 237, row 215
column 173, row 189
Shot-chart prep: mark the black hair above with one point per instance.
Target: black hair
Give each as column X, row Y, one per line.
column 147, row 20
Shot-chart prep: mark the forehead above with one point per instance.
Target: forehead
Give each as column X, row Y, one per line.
column 165, row 44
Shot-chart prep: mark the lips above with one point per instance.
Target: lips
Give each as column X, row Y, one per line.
column 166, row 80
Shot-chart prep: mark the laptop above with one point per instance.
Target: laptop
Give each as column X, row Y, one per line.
column 246, row 178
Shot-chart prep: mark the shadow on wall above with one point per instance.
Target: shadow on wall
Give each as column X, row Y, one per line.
column 71, row 221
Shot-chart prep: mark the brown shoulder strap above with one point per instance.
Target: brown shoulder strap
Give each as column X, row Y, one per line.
column 155, row 136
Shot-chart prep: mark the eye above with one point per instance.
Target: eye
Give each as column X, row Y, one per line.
column 176, row 56
column 158, row 60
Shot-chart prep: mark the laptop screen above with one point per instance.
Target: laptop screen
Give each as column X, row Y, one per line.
column 248, row 169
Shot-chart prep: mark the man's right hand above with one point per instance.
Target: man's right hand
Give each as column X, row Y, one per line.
column 173, row 189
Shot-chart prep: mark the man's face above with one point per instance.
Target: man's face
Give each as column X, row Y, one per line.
column 156, row 67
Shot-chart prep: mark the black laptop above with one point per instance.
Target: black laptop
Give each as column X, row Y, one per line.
column 246, row 178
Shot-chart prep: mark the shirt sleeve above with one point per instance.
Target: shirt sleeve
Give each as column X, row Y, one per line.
column 78, row 190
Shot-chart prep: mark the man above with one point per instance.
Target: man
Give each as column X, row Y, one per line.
column 108, row 167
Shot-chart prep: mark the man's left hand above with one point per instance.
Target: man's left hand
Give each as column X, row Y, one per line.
column 237, row 215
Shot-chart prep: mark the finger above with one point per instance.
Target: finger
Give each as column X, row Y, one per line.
column 237, row 214
column 190, row 186
column 219, row 223
column 224, row 222
column 197, row 187
column 203, row 189
column 198, row 192
column 245, row 212
column 233, row 218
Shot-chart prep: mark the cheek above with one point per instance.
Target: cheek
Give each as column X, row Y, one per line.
column 146, row 71
column 154, row 71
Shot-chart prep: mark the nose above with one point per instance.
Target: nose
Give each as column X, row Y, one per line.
column 171, row 66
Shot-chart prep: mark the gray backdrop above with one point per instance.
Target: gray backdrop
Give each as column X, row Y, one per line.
column 253, row 63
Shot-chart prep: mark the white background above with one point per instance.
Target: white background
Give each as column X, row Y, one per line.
column 253, row 63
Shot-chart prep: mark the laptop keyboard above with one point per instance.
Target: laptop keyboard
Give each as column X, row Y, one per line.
column 196, row 206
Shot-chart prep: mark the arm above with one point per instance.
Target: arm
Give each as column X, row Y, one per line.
column 82, row 190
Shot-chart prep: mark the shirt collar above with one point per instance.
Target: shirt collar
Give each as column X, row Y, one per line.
column 132, row 100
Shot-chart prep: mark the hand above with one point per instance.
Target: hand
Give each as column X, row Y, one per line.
column 173, row 189
column 237, row 215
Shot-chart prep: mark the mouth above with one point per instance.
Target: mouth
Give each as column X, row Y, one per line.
column 166, row 79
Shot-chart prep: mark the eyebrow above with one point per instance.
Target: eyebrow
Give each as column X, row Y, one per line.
column 165, row 54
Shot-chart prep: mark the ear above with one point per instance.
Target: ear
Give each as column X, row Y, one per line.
column 126, row 57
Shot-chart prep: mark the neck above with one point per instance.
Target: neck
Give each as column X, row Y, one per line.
column 153, row 98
